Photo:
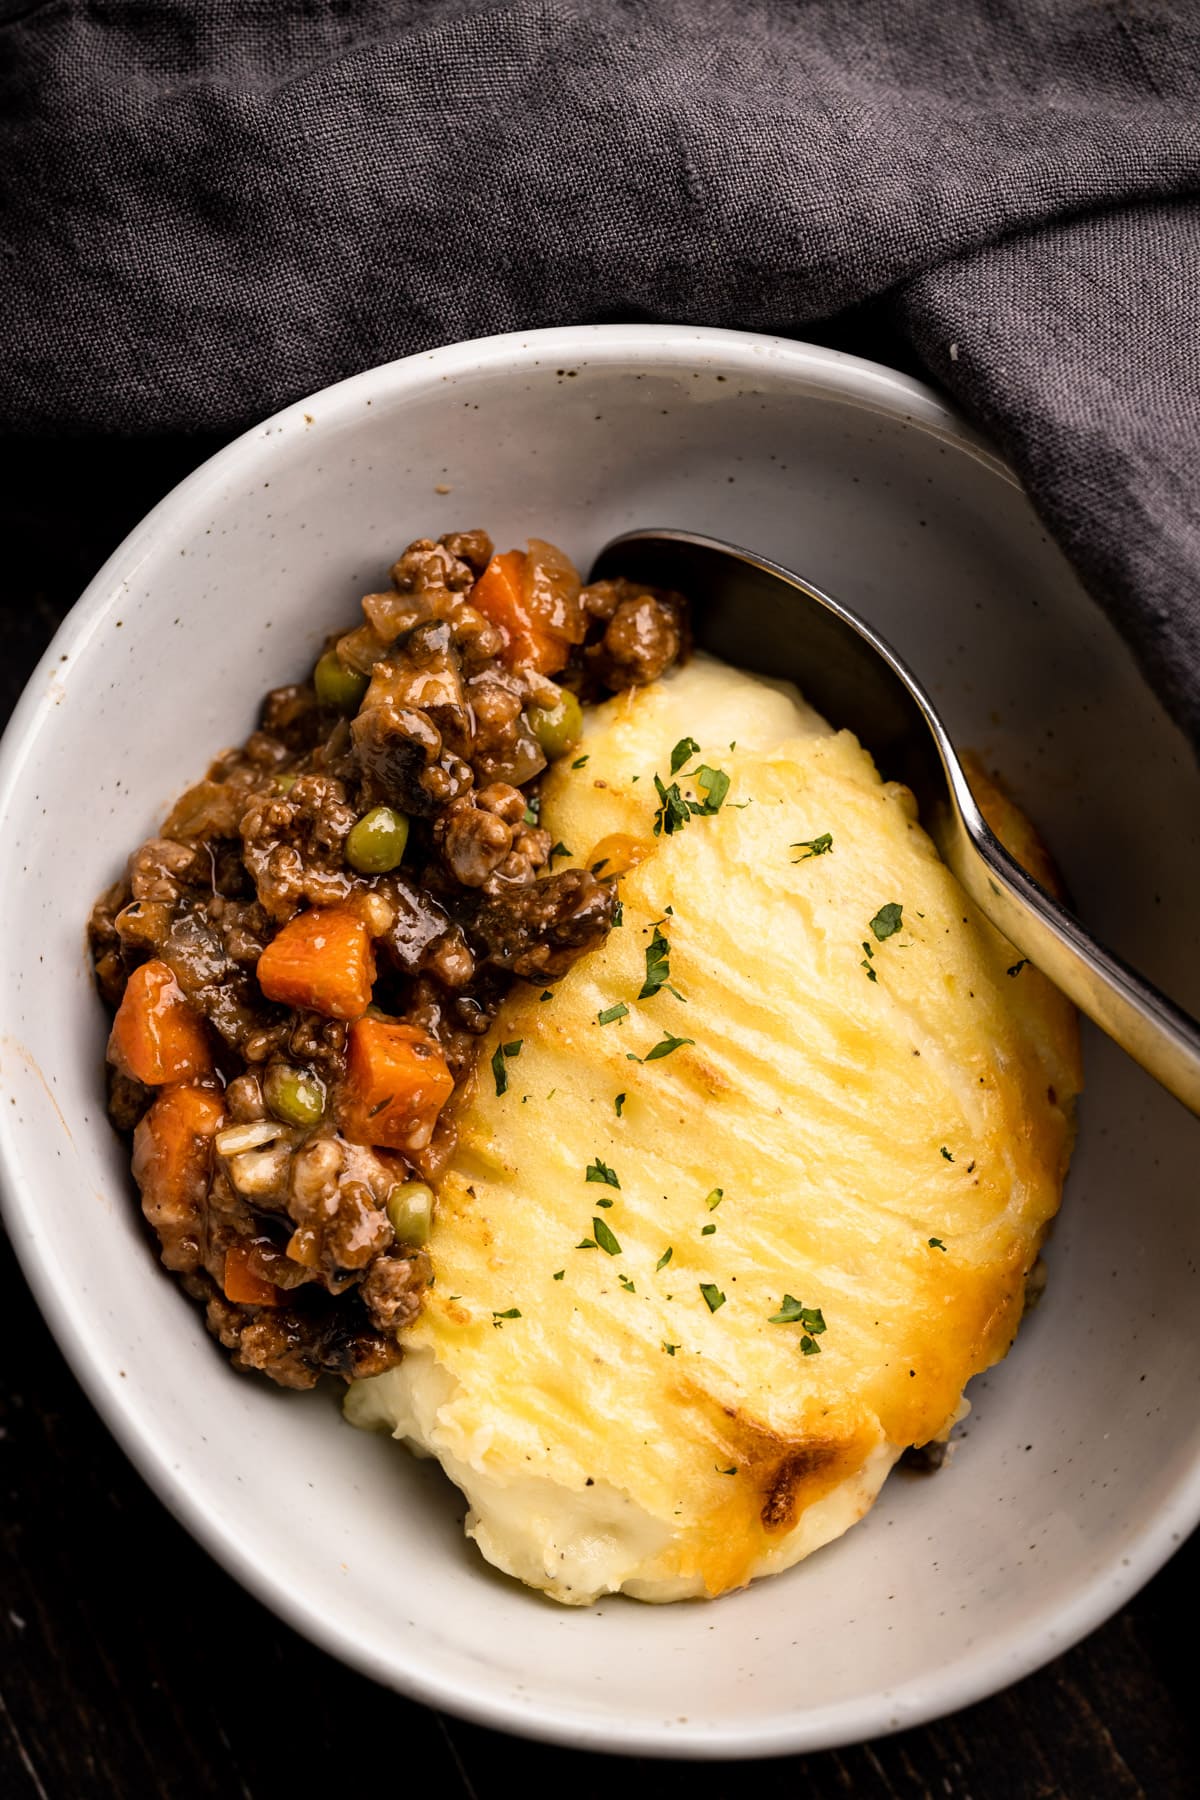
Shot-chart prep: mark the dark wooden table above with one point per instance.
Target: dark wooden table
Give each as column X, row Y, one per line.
column 134, row 1667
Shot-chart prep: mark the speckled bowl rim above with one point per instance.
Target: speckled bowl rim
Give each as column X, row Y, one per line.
column 994, row 1664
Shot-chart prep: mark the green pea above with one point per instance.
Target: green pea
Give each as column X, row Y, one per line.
column 337, row 685
column 294, row 1095
column 376, row 843
column 557, row 728
column 410, row 1209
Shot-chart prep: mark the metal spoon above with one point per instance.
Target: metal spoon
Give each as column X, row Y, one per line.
column 856, row 680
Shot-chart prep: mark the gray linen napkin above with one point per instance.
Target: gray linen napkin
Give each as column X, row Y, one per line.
column 209, row 207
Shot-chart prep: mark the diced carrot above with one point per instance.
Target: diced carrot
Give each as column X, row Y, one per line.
column 498, row 594
column 242, row 1285
column 156, row 1036
column 533, row 601
column 172, row 1154
column 320, row 959
column 304, row 1247
column 396, row 1084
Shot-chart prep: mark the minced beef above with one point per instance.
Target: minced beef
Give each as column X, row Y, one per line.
column 303, row 962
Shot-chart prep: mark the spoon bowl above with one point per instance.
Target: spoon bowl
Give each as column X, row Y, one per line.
column 858, row 682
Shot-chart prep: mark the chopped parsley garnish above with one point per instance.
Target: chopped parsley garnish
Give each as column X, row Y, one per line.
column 810, row 1317
column 1018, row 966
column 559, row 849
column 683, row 752
column 936, row 1244
column 672, row 812
column 713, row 1297
column 627, row 1284
column 498, row 1068
column 665, row 1048
column 558, row 1274
column 600, row 1171
column 671, row 1348
column 603, row 1202
column 818, row 846
column 586, row 1244
column 498, row 1318
column 866, row 962
column 713, row 1200
column 532, row 811
column 546, row 994
column 665, row 1258
column 618, row 914
column 707, row 1230
column 715, row 783
column 579, row 762
column 605, row 1239
column 792, row 1313
column 619, row 1105
column 731, row 1470
column 887, row 920
column 947, row 1154
column 658, row 968
column 612, row 1013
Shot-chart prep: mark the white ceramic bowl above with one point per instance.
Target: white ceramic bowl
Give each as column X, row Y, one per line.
column 1081, row 1465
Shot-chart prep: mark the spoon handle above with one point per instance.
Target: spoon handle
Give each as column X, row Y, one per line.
column 1152, row 1029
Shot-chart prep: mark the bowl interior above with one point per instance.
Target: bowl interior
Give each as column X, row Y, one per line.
column 1079, row 1465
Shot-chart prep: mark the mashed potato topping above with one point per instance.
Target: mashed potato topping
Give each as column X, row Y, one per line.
column 742, row 1204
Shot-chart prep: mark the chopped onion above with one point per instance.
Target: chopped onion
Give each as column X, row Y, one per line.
column 237, row 1138
column 375, row 912
column 523, row 761
column 259, row 1172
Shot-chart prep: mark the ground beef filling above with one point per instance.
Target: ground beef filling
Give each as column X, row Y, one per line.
column 302, row 964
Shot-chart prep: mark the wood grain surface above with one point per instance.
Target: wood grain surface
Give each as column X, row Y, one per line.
column 133, row 1667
